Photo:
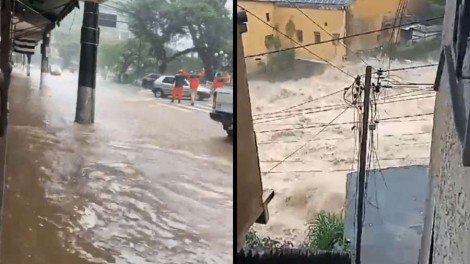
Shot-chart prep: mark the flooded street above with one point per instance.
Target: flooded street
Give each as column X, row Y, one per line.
column 149, row 182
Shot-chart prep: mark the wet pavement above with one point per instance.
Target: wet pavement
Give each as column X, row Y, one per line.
column 149, row 182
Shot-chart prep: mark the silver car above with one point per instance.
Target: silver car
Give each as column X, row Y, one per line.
column 163, row 86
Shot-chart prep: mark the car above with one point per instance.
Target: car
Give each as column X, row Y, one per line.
column 222, row 110
column 163, row 87
column 56, row 70
column 147, row 81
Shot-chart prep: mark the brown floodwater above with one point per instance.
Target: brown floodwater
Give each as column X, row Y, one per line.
column 147, row 183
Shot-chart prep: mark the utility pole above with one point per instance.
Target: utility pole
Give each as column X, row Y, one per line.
column 5, row 51
column 28, row 67
column 85, row 111
column 44, row 57
column 362, row 164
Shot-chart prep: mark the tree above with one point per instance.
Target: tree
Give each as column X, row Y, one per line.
column 157, row 23
column 109, row 55
column 209, row 24
column 68, row 46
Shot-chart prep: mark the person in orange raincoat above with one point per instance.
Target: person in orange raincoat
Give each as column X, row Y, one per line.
column 194, row 80
column 178, row 87
column 220, row 81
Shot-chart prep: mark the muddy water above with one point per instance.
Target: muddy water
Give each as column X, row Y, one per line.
column 145, row 184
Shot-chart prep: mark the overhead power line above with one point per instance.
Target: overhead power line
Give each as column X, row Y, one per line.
column 334, row 107
column 301, row 147
column 341, row 38
column 331, row 139
column 285, row 35
column 412, row 67
column 303, row 103
column 340, row 124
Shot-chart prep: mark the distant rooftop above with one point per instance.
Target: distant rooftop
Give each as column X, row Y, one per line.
column 312, row 2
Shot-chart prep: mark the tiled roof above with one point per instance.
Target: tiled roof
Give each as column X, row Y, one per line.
column 313, row 2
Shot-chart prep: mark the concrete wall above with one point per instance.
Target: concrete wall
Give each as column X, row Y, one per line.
column 450, row 181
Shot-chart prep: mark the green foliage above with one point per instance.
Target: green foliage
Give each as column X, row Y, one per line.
column 68, row 46
column 183, row 62
column 253, row 240
column 109, row 54
column 326, row 232
column 160, row 22
column 280, row 62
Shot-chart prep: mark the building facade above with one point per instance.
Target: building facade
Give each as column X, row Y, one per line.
column 294, row 20
column 320, row 21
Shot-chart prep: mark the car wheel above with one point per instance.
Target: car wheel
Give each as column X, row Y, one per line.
column 200, row 97
column 158, row 93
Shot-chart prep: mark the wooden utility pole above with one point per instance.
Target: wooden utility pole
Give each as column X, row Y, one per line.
column 362, row 164
column 85, row 111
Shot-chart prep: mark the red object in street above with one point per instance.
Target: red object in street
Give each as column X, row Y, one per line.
column 219, row 82
column 194, row 79
column 177, row 92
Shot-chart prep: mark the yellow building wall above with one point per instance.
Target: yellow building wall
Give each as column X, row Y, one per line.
column 253, row 39
column 368, row 15
column 334, row 21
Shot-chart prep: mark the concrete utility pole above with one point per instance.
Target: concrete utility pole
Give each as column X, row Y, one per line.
column 85, row 112
column 28, row 67
column 362, row 164
column 5, row 51
column 44, row 57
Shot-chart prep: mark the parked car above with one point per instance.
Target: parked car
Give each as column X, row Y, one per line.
column 223, row 108
column 147, row 81
column 56, row 70
column 163, row 86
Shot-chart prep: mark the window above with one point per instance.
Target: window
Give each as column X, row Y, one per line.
column 267, row 17
column 300, row 36
column 317, row 36
column 168, row 80
column 336, row 39
column 268, row 41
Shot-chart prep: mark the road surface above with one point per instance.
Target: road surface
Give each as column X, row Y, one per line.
column 149, row 182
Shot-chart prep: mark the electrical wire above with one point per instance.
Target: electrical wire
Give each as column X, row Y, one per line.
column 303, row 145
column 326, row 31
column 285, row 35
column 303, row 103
column 292, row 110
column 339, row 124
column 412, row 67
column 342, row 38
column 331, row 108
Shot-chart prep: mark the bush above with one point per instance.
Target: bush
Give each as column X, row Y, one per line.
column 326, row 232
column 254, row 241
column 280, row 62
